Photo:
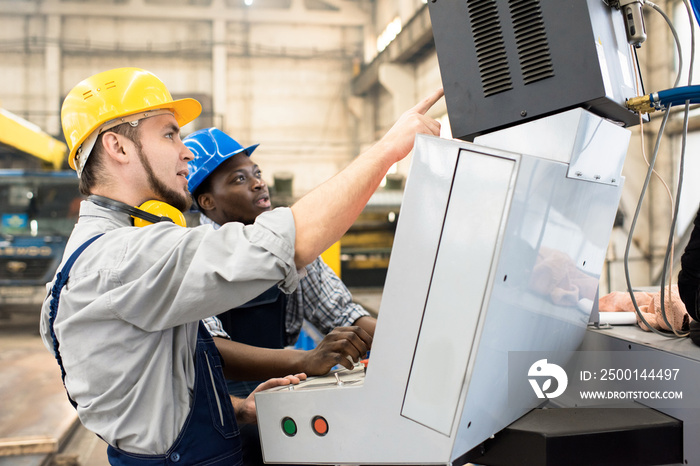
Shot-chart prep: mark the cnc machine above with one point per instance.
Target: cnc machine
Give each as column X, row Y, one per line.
column 535, row 92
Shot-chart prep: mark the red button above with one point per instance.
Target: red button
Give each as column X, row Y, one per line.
column 319, row 425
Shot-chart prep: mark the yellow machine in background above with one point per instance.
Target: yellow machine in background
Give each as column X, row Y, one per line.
column 39, row 208
column 331, row 257
column 30, row 139
column 366, row 247
column 361, row 257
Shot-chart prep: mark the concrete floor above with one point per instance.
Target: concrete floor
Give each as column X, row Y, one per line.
column 35, row 408
column 36, row 418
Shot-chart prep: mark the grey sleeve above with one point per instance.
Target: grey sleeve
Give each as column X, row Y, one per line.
column 168, row 275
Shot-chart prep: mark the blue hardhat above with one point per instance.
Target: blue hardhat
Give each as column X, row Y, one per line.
column 210, row 147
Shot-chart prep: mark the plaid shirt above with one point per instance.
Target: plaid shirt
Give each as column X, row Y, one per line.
column 321, row 298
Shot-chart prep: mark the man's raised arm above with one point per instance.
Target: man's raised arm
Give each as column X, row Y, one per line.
column 327, row 212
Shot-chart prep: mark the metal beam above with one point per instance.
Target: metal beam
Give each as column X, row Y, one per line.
column 348, row 14
column 415, row 38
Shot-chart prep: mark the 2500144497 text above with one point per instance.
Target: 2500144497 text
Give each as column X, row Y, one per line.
column 630, row 374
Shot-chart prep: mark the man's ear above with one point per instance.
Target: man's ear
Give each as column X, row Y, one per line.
column 113, row 146
column 206, row 201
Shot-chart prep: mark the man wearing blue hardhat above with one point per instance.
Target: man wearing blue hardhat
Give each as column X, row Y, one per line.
column 228, row 187
column 212, row 148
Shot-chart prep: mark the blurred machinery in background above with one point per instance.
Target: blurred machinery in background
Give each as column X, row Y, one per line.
column 365, row 248
column 40, row 205
column 22, row 143
column 39, row 210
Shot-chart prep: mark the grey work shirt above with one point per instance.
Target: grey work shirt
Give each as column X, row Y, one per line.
column 128, row 317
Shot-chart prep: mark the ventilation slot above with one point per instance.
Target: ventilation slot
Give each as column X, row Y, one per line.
column 490, row 49
column 531, row 40
column 110, row 85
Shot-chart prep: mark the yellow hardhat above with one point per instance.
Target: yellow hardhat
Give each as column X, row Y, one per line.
column 107, row 97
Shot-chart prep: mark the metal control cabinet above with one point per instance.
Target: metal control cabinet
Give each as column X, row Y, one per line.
column 505, row 62
column 480, row 231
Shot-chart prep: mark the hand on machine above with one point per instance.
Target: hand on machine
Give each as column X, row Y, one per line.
column 245, row 407
column 343, row 345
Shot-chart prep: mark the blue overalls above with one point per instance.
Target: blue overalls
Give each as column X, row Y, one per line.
column 210, row 434
column 259, row 322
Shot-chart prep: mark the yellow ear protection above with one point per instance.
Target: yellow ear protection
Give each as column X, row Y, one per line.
column 147, row 213
column 161, row 210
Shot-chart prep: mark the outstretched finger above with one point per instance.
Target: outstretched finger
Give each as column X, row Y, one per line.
column 424, row 105
column 434, row 127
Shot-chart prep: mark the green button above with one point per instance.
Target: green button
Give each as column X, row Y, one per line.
column 289, row 426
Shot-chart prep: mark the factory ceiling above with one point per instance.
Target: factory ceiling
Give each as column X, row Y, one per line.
column 333, row 12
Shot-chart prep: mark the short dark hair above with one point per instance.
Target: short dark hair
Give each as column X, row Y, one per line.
column 92, row 171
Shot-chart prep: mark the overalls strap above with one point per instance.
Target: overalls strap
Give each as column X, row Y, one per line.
column 61, row 280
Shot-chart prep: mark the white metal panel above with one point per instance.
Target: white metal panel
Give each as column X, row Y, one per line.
column 469, row 237
column 366, row 426
column 557, row 227
column 595, row 148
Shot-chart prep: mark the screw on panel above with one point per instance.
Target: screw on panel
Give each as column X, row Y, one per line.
column 579, row 174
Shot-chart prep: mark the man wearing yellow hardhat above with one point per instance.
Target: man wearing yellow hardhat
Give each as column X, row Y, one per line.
column 123, row 313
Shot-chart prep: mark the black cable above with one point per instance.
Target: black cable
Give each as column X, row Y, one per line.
column 119, row 206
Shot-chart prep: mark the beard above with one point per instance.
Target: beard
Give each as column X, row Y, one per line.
column 182, row 201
